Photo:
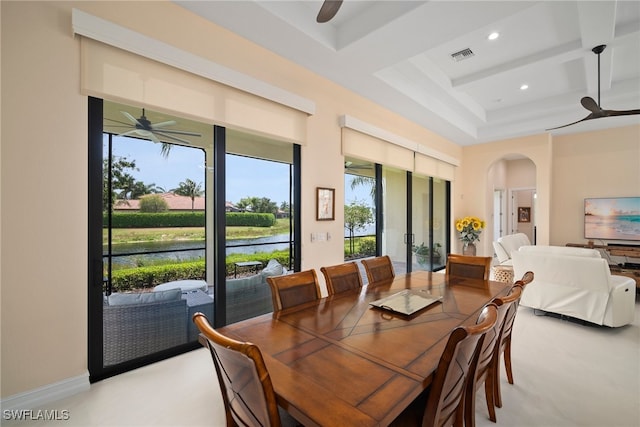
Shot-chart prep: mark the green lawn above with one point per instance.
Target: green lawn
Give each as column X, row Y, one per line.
column 128, row 235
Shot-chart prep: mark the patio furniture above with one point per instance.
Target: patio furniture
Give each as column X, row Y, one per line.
column 183, row 285
column 136, row 325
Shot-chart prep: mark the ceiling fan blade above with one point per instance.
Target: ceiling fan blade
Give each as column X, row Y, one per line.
column 175, row 138
column 129, row 133
column 611, row 113
column 328, row 10
column 163, row 124
column 590, row 104
column 131, row 118
column 589, row 117
column 177, row 132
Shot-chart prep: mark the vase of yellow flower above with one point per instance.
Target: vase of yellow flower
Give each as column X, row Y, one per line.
column 469, row 228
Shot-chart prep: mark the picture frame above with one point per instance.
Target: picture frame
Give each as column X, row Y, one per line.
column 325, row 204
column 524, row 214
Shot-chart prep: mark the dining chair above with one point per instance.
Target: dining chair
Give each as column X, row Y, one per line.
column 470, row 267
column 488, row 358
column 526, row 278
column 294, row 289
column 378, row 268
column 247, row 391
column 504, row 348
column 445, row 397
column 342, row 277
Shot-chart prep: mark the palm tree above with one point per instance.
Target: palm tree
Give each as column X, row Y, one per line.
column 190, row 189
column 365, row 181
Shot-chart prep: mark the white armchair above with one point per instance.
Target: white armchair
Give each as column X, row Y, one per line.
column 505, row 245
column 575, row 282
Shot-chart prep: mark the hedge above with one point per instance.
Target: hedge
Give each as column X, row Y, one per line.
column 249, row 219
column 155, row 219
column 184, row 219
column 128, row 279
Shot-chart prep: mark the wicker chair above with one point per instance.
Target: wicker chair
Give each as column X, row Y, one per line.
column 135, row 330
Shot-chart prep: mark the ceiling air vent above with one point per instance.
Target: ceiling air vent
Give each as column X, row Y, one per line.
column 463, row 54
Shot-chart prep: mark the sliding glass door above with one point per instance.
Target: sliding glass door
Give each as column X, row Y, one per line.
column 164, row 193
column 260, row 222
column 416, row 220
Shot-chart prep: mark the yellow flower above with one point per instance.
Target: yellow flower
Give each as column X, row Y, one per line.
column 469, row 228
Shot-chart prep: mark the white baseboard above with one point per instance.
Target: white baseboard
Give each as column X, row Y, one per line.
column 44, row 395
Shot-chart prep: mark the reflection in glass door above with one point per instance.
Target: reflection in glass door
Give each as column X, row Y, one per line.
column 416, row 220
column 420, row 224
column 395, row 239
column 440, row 224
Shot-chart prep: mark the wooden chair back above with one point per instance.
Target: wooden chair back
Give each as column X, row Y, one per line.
column 488, row 356
column 247, row 391
column 294, row 289
column 446, row 396
column 470, row 267
column 378, row 268
column 342, row 277
column 504, row 346
column 526, row 279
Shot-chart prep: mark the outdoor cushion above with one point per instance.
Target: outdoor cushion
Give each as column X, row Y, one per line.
column 144, row 297
column 273, row 268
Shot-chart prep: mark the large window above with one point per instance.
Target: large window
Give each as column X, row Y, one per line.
column 410, row 215
column 180, row 214
column 359, row 209
column 259, row 223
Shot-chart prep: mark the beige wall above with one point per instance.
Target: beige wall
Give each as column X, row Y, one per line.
column 44, row 169
column 595, row 164
column 43, row 174
column 483, row 163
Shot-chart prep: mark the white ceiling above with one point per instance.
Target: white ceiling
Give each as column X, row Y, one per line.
column 398, row 54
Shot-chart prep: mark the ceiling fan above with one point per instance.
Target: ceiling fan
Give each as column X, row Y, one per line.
column 590, row 104
column 144, row 128
column 352, row 166
column 328, row 10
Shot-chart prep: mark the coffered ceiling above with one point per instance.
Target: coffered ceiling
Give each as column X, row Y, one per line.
column 399, row 54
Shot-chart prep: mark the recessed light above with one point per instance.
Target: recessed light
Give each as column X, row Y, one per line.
column 493, row 36
column 524, row 87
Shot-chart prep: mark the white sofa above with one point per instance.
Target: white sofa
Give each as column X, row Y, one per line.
column 505, row 245
column 575, row 282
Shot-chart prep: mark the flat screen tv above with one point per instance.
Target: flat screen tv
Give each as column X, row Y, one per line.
column 615, row 218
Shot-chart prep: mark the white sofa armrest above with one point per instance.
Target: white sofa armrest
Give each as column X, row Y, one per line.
column 621, row 306
column 506, row 245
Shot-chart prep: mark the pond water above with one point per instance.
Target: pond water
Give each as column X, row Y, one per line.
column 136, row 254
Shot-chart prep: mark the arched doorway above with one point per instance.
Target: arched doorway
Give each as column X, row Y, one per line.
column 512, row 179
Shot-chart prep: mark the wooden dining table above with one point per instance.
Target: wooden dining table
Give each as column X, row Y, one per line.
column 339, row 361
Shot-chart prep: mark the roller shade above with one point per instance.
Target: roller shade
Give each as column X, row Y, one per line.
column 122, row 75
column 368, row 142
column 429, row 166
column 366, row 147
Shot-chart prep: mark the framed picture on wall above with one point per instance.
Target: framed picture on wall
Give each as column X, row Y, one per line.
column 524, row 214
column 325, row 204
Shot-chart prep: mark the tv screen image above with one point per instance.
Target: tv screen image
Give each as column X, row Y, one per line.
column 615, row 218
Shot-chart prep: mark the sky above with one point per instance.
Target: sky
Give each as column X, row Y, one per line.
column 246, row 177
column 613, row 206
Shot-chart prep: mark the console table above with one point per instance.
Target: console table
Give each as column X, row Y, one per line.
column 617, row 250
